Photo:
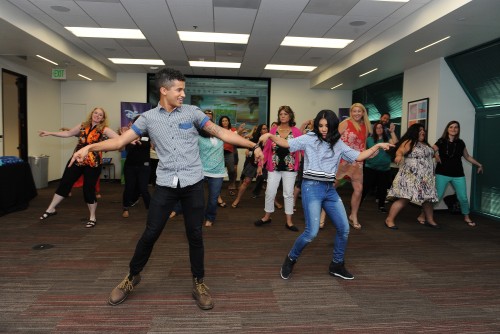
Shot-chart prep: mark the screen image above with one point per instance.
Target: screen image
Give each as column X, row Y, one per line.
column 243, row 100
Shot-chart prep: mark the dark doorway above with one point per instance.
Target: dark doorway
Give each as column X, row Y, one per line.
column 15, row 112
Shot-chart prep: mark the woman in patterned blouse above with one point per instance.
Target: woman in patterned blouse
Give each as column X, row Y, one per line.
column 93, row 130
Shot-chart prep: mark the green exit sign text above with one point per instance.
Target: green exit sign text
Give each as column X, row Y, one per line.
column 59, row 73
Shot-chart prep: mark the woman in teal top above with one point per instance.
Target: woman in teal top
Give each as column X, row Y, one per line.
column 212, row 161
column 377, row 169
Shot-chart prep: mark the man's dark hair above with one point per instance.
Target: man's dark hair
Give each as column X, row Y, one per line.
column 166, row 76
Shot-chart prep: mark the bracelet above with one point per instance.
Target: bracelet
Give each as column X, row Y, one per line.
column 255, row 147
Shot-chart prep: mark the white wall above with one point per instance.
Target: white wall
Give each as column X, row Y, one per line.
column 129, row 87
column 447, row 102
column 44, row 112
column 305, row 102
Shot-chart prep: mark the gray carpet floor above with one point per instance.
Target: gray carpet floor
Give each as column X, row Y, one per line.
column 56, row 276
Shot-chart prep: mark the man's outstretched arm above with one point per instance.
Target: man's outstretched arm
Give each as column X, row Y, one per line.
column 113, row 144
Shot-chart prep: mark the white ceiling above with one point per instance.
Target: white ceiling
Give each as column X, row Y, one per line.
column 385, row 35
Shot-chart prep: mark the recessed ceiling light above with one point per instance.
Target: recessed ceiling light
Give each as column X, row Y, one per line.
column 106, row 33
column 370, row 71
column 50, row 61
column 340, row 84
column 213, row 37
column 153, row 67
column 80, row 75
column 316, row 42
column 276, row 67
column 221, row 64
column 132, row 61
column 425, row 47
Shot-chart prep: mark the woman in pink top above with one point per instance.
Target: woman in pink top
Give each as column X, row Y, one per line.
column 354, row 130
column 281, row 166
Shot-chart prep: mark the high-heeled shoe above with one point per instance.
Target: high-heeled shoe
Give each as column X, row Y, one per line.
column 291, row 227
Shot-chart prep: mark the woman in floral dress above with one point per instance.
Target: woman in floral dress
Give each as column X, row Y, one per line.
column 415, row 181
column 354, row 130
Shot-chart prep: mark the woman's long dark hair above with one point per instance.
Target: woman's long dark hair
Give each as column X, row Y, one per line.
column 332, row 120
column 374, row 133
column 411, row 135
column 228, row 120
column 256, row 134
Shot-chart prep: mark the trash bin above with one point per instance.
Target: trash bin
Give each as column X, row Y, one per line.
column 40, row 170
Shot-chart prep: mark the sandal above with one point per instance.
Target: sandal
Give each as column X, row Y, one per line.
column 421, row 222
column 91, row 223
column 222, row 204
column 470, row 223
column 436, row 226
column 235, row 205
column 354, row 224
column 208, row 223
column 47, row 215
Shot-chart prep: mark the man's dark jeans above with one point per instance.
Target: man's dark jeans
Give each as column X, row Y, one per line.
column 162, row 204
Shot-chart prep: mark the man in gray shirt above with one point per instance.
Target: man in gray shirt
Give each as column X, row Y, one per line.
column 173, row 127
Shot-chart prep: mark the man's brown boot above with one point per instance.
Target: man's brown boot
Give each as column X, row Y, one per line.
column 121, row 292
column 201, row 294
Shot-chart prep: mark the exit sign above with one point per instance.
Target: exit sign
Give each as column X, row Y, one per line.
column 59, row 73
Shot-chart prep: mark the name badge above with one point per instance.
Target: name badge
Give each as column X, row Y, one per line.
column 175, row 181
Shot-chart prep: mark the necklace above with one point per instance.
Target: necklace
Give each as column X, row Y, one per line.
column 454, row 146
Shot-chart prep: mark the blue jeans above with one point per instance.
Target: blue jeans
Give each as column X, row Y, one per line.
column 317, row 195
column 162, row 204
column 214, row 187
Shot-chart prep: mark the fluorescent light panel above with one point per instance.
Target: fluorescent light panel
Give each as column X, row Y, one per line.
column 277, row 67
column 213, row 37
column 337, row 86
column 425, row 47
column 106, row 33
column 50, row 61
column 370, row 71
column 81, row 75
column 131, row 61
column 307, row 42
column 219, row 64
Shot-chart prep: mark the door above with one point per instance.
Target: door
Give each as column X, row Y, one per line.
column 14, row 121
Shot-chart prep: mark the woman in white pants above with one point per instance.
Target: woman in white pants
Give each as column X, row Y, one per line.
column 281, row 166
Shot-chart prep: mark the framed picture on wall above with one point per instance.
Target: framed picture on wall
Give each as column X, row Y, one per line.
column 418, row 112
